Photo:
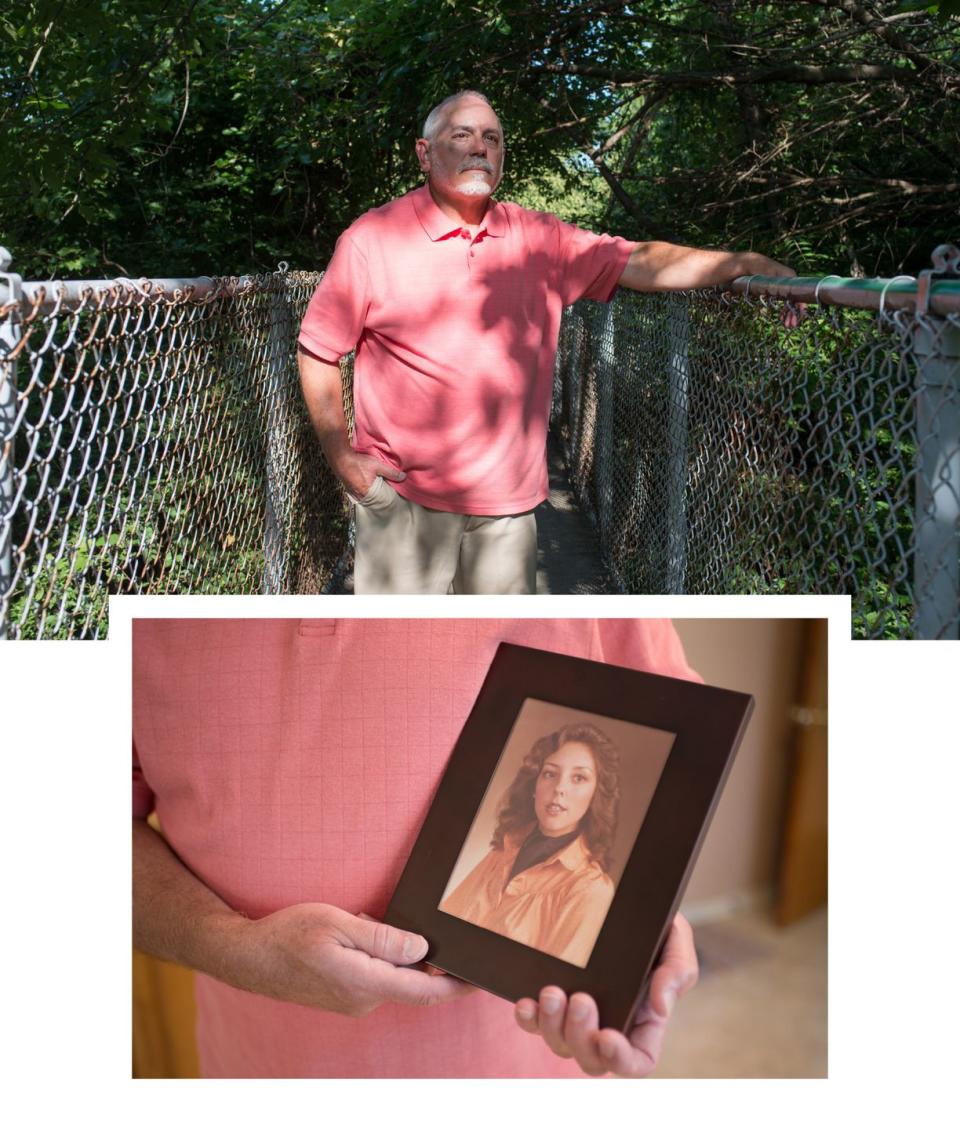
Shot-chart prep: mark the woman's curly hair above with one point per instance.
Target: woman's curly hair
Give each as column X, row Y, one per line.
column 599, row 824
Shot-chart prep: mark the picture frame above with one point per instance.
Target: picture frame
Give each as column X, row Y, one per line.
column 546, row 731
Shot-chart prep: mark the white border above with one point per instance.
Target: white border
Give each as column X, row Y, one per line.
column 834, row 608
column 893, row 984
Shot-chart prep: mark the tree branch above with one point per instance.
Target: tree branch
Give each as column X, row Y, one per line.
column 799, row 73
column 878, row 26
column 649, row 103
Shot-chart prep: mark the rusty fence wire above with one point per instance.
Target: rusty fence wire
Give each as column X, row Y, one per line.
column 720, row 452
column 153, row 440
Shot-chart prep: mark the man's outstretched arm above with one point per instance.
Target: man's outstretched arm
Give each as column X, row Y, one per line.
column 312, row 953
column 668, row 266
column 323, row 395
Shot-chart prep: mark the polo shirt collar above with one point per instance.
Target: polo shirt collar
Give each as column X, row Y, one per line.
column 439, row 226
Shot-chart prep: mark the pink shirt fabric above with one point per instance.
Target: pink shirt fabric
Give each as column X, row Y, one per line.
column 294, row 760
column 455, row 341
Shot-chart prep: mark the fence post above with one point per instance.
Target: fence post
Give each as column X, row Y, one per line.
column 937, row 563
column 603, row 440
column 276, row 515
column 9, row 339
column 678, row 396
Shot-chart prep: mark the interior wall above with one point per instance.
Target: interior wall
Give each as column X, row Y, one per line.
column 760, row 657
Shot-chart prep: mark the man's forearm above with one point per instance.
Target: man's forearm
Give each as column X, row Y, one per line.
column 176, row 916
column 308, row 953
column 323, row 394
column 668, row 266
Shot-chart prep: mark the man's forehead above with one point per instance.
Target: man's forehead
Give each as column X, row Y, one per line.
column 466, row 111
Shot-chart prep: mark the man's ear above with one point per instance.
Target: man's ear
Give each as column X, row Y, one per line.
column 423, row 153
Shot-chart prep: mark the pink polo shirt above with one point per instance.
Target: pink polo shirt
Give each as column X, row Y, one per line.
column 294, row 760
column 456, row 340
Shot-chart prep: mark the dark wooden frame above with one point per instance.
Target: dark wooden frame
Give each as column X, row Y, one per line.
column 708, row 723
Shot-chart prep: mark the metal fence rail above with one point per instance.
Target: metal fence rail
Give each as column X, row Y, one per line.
column 719, row 451
column 153, row 439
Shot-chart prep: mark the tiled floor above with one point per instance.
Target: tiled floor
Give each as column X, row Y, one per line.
column 760, row 1009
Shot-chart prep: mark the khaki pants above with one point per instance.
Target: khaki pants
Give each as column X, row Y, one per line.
column 403, row 548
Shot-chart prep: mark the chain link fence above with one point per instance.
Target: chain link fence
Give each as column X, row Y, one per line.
column 720, row 452
column 153, row 440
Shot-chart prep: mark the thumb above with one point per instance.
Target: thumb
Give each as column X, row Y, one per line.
column 384, row 941
column 391, row 472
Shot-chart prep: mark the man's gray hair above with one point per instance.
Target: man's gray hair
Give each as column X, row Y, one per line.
column 435, row 117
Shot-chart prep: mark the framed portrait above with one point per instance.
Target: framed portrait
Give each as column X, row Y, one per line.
column 566, row 825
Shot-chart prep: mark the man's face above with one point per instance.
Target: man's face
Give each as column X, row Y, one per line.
column 465, row 157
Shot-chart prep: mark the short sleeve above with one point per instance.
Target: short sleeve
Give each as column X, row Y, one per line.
column 337, row 311
column 645, row 644
column 590, row 264
column 142, row 792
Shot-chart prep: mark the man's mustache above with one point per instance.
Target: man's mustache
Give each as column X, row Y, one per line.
column 475, row 163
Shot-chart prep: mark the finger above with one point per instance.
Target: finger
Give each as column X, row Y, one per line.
column 391, row 985
column 525, row 1014
column 635, row 1057
column 677, row 971
column 551, row 1013
column 790, row 316
column 430, row 969
column 390, row 472
column 378, row 939
column 580, row 1031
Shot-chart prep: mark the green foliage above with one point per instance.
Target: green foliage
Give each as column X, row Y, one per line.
column 944, row 10
column 220, row 136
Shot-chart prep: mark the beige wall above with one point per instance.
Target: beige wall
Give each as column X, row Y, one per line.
column 759, row 657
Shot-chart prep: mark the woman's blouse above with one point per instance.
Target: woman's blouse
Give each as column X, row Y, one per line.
column 556, row 906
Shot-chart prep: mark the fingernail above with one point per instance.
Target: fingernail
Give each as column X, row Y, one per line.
column 551, row 1004
column 608, row 1050
column 669, row 999
column 414, row 947
column 526, row 1009
column 578, row 1009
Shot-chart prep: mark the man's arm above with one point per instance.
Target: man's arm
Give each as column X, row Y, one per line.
column 668, row 266
column 312, row 953
column 323, row 395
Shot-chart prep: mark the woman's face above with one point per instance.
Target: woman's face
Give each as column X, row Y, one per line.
column 564, row 788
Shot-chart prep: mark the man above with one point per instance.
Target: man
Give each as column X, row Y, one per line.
column 453, row 302
column 290, row 764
